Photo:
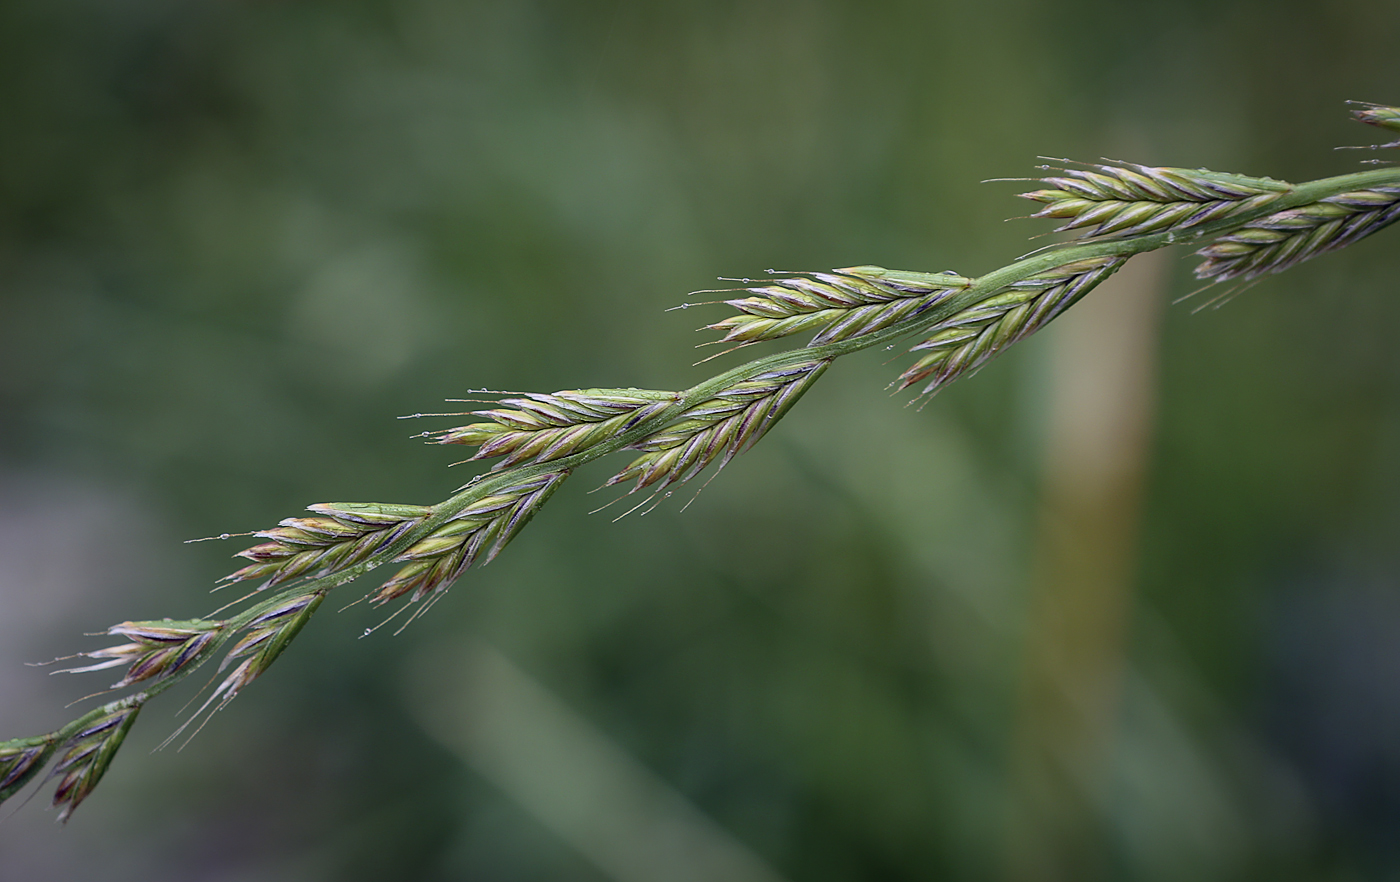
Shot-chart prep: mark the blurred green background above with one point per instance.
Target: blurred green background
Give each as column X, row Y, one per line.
column 1100, row 612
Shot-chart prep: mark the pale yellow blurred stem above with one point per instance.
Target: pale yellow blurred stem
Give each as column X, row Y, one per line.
column 1102, row 398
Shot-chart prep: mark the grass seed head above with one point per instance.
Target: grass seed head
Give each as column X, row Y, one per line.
column 156, row 649
column 84, row 758
column 1122, row 200
column 836, row 306
column 1379, row 115
column 1286, row 238
column 541, row 428
column 718, row 429
column 21, row 759
column 342, row 535
column 475, row 535
column 965, row 341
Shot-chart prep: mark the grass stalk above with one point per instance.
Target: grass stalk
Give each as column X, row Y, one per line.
column 1252, row 226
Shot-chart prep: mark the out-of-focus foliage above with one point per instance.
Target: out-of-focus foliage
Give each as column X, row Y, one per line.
column 238, row 238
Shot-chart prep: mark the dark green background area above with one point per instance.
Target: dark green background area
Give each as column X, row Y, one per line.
column 237, row 239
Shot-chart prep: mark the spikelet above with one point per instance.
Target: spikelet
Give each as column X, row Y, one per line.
column 263, row 640
column 475, row 534
column 1122, row 200
column 156, row 649
column 837, row 305
column 84, row 757
column 1286, row 238
column 965, row 341
column 1381, row 116
column 344, row 534
column 21, row 759
column 719, row 429
column 541, row 428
